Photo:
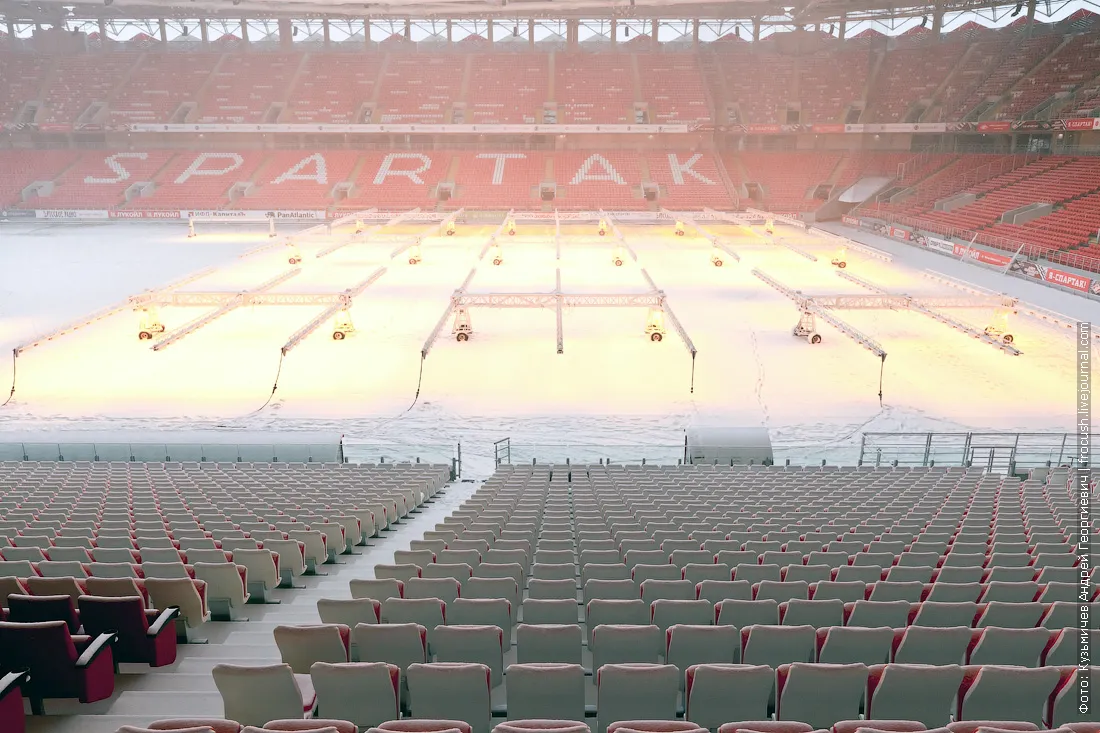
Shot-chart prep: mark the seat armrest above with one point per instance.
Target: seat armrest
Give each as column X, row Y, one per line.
column 101, row 642
column 11, row 681
column 166, row 616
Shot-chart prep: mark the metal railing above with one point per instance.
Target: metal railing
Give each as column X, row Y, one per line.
column 1007, row 453
column 232, row 452
column 1007, row 244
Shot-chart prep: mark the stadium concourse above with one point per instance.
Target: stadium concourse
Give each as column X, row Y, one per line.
column 687, row 597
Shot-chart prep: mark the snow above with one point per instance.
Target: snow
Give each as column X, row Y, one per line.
column 612, row 393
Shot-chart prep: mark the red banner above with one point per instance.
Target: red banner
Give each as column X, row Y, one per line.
column 898, row 233
column 988, row 258
column 995, row 126
column 851, row 221
column 1067, row 279
column 828, row 128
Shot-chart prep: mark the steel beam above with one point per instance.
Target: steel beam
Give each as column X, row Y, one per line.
column 149, row 297
column 943, row 318
column 451, row 305
column 345, row 301
column 425, row 232
column 365, row 236
column 345, row 219
column 557, row 234
column 550, row 300
column 850, row 243
column 493, row 237
column 678, row 327
column 809, row 303
column 230, row 305
column 712, row 238
column 557, row 291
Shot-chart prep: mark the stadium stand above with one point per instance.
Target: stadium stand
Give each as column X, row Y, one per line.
column 908, row 76
column 787, row 181
column 672, row 84
column 830, row 83
column 969, row 572
column 158, row 87
column 595, row 88
column 332, row 88
column 508, row 88
column 420, row 88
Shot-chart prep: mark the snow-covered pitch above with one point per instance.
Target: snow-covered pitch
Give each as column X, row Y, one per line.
column 611, row 393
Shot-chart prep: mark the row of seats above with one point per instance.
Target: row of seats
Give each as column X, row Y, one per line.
column 170, row 180
column 814, row 694
column 544, row 725
column 244, row 528
column 537, row 545
column 482, row 629
column 587, row 88
column 1071, row 185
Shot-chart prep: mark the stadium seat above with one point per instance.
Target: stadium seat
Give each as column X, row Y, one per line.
column 549, row 643
column 58, row 663
column 451, row 691
column 141, row 636
column 718, row 692
column 636, row 691
column 252, row 695
column 301, row 646
column 364, row 693
column 546, row 691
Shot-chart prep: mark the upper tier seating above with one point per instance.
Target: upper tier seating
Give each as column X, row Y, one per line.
column 419, row 88
column 594, row 88
column 1007, row 70
column 673, row 85
column 80, row 80
column 1074, row 63
column 761, row 89
column 508, row 88
column 908, row 75
column 244, row 86
column 159, row 85
column 829, row 82
column 20, row 83
column 332, row 87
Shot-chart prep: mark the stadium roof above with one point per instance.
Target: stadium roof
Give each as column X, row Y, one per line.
column 789, row 11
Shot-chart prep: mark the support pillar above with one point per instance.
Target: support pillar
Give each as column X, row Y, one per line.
column 286, row 33
column 653, row 33
column 531, row 32
column 937, row 21
column 408, row 29
column 450, row 26
column 572, row 33
column 244, row 31
column 755, row 30
column 1030, row 16
column 324, row 31
column 162, row 26
column 489, row 30
column 614, row 31
column 204, row 31
column 695, row 32
column 843, row 28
